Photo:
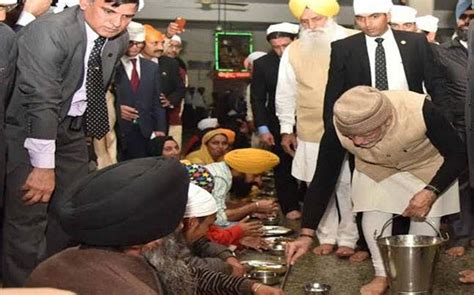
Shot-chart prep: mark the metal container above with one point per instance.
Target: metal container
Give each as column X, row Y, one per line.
column 410, row 260
column 271, row 220
column 278, row 248
column 316, row 288
column 266, row 277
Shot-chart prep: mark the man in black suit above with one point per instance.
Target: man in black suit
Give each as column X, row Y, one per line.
column 65, row 63
column 404, row 62
column 137, row 91
column 262, row 99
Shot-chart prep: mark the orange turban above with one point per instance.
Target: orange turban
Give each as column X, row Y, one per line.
column 226, row 132
column 152, row 34
column 328, row 8
column 251, row 160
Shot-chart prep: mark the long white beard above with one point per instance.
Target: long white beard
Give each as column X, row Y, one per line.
column 319, row 38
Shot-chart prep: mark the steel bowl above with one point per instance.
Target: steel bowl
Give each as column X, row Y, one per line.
column 266, row 277
column 271, row 220
column 316, row 288
column 278, row 248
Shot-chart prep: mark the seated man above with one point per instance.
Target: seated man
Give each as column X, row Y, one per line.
column 127, row 245
column 113, row 228
column 240, row 170
column 407, row 158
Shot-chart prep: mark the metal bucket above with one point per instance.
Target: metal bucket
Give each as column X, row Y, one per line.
column 410, row 260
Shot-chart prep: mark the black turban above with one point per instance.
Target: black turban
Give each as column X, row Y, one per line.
column 130, row 203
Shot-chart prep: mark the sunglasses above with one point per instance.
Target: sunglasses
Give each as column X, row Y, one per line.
column 135, row 43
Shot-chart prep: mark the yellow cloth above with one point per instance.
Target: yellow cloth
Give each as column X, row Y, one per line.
column 328, row 8
column 202, row 156
column 251, row 160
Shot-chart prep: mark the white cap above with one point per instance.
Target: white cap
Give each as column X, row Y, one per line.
column 7, row 2
column 207, row 123
column 284, row 28
column 400, row 14
column 200, row 202
column 255, row 55
column 427, row 23
column 365, row 7
column 136, row 32
column 177, row 39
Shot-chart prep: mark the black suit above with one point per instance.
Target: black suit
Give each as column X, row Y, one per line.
column 172, row 85
column 262, row 99
column 350, row 67
column 135, row 137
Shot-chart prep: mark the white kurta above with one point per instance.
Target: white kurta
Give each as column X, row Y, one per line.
column 304, row 162
column 393, row 194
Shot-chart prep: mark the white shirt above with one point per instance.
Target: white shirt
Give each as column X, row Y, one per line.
column 41, row 151
column 25, row 18
column 128, row 66
column 395, row 72
column 286, row 91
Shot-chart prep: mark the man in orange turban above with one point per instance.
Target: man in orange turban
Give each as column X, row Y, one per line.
column 300, row 92
column 172, row 85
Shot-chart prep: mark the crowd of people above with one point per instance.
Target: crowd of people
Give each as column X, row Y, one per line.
column 101, row 193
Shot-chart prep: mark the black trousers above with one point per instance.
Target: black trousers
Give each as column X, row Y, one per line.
column 286, row 185
column 32, row 233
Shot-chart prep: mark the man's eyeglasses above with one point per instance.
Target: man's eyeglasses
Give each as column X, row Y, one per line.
column 135, row 43
column 8, row 8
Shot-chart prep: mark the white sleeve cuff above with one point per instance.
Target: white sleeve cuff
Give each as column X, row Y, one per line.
column 25, row 18
column 42, row 152
column 288, row 129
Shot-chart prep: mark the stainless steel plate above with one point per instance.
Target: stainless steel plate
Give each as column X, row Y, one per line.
column 264, row 265
column 272, row 230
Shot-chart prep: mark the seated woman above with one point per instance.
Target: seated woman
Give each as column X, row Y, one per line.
column 215, row 144
column 164, row 146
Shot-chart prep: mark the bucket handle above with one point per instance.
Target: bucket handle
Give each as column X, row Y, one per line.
column 426, row 220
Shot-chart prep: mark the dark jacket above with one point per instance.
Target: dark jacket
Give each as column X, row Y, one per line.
column 146, row 100
column 172, row 85
column 262, row 91
column 470, row 105
column 452, row 58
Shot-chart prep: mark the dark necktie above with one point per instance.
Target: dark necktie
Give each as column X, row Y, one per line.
column 97, row 120
column 134, row 79
column 381, row 82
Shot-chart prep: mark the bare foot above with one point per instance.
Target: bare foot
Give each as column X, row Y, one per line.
column 467, row 276
column 323, row 249
column 359, row 256
column 344, row 252
column 472, row 243
column 377, row 286
column 456, row 251
column 293, row 215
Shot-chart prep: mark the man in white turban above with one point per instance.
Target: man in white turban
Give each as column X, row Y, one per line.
column 403, row 18
column 302, row 79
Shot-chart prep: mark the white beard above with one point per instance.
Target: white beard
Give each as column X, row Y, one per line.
column 319, row 38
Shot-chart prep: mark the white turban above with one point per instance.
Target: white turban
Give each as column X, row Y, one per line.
column 401, row 14
column 427, row 23
column 207, row 123
column 136, row 32
column 284, row 28
column 177, row 39
column 366, row 7
column 7, row 2
column 200, row 202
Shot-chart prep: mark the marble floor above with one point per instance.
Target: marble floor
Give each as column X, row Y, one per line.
column 345, row 278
